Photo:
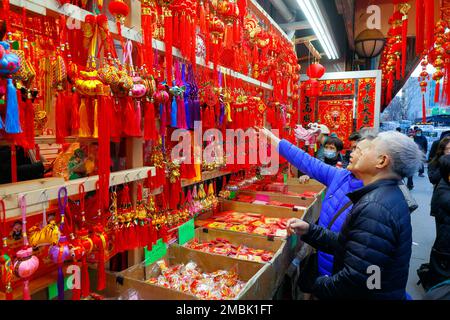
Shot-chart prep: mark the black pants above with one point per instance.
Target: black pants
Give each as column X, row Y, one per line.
column 410, row 183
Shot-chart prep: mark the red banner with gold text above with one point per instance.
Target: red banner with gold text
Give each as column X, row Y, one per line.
column 366, row 103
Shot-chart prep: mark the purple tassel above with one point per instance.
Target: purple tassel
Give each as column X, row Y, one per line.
column 12, row 109
column 60, row 283
column 222, row 113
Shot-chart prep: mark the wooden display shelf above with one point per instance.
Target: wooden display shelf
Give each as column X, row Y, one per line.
column 206, row 175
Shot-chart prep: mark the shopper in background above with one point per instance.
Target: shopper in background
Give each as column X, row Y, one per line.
column 332, row 152
column 439, row 265
column 321, row 140
column 353, row 138
column 377, row 231
column 435, row 144
column 434, row 173
column 422, row 142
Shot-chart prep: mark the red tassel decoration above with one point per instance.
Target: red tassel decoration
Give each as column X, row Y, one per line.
column 437, row 92
column 149, row 121
column 404, row 45
column 75, row 115
column 60, row 115
column 420, row 26
column 424, row 110
column 104, row 161
column 116, row 119
column 429, row 25
column 132, row 119
column 168, row 39
column 100, row 242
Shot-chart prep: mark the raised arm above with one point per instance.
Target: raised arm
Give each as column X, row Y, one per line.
column 313, row 167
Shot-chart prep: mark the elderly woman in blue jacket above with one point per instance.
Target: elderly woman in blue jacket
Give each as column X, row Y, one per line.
column 339, row 183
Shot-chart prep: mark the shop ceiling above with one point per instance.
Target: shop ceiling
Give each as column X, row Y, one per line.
column 323, row 29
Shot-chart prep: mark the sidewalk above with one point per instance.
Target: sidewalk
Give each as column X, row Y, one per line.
column 424, row 233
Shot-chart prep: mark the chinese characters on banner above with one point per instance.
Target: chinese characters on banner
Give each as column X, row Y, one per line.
column 366, row 103
column 344, row 87
column 337, row 115
column 306, row 108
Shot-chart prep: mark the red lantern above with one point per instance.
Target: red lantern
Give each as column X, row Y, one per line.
column 120, row 10
column 315, row 71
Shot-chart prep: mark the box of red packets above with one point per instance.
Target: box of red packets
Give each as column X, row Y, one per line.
column 185, row 274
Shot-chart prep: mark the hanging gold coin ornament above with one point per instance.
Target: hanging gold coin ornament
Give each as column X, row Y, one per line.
column 423, row 78
column 438, row 54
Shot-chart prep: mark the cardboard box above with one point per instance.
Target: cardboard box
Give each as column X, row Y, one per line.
column 311, row 206
column 255, row 274
column 276, row 267
column 311, row 185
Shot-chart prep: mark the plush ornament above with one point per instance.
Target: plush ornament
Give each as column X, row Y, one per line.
column 26, row 263
column 48, row 235
column 6, row 270
column 9, row 65
column 60, row 253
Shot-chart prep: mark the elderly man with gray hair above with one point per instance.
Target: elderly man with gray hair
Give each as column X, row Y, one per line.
column 373, row 249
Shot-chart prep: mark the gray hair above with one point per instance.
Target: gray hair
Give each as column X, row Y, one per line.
column 368, row 133
column 405, row 155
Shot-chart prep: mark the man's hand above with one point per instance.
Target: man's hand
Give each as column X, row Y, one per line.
column 297, row 226
column 304, row 179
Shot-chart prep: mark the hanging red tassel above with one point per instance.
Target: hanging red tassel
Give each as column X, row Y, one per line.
column 60, row 115
column 424, row 110
column 75, row 115
column 131, row 118
column 429, row 25
column 104, row 161
column 437, row 92
column 420, row 26
column 100, row 242
column 149, row 121
column 168, row 39
column 390, row 87
column 404, row 44
column 116, row 120
column 398, row 68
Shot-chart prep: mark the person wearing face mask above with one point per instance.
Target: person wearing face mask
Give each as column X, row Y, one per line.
column 321, row 140
column 332, row 152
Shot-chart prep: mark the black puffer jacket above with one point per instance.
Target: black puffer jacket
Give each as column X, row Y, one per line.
column 377, row 232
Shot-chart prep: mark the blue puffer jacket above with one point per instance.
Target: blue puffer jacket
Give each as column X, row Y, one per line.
column 378, row 233
column 339, row 183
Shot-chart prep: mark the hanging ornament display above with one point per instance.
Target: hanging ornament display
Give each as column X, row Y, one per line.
column 26, row 263
column 423, row 78
column 437, row 57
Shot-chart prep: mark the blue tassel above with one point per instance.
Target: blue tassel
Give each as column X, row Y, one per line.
column 12, row 109
column 2, row 125
column 222, row 113
column 173, row 113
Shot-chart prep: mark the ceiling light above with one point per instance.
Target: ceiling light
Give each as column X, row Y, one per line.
column 315, row 18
